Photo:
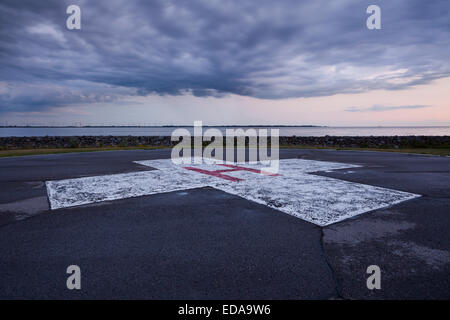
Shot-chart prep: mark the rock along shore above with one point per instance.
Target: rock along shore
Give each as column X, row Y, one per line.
column 396, row 142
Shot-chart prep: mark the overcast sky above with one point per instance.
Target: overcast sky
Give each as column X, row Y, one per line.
column 225, row 62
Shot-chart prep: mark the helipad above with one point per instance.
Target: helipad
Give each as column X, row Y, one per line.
column 295, row 190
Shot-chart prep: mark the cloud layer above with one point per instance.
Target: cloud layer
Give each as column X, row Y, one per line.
column 379, row 108
column 264, row 49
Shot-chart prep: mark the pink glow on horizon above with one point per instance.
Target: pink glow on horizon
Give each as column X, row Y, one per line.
column 240, row 110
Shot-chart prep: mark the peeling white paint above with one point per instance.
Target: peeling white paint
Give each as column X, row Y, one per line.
column 317, row 199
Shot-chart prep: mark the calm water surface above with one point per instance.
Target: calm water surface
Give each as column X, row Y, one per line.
column 284, row 131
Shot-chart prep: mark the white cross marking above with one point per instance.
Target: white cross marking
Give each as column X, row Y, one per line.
column 317, row 199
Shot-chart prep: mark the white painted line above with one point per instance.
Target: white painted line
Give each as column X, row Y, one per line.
column 317, row 199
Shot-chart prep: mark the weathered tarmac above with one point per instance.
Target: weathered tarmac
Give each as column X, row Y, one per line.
column 205, row 243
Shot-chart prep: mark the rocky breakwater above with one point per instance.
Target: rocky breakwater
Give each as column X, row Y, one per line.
column 82, row 142
column 378, row 142
column 396, row 142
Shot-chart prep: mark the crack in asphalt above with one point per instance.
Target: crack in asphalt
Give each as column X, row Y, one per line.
column 337, row 285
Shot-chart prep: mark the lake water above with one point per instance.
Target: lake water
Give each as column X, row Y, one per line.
column 284, row 131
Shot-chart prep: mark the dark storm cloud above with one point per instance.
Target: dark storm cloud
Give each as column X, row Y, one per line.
column 265, row 49
column 23, row 97
column 379, row 108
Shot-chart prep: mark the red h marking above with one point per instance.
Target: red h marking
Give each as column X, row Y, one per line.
column 218, row 173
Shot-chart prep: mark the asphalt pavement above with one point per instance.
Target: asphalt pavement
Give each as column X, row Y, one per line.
column 204, row 243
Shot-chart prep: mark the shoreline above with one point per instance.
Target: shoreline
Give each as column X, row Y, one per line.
column 38, row 142
column 17, row 146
